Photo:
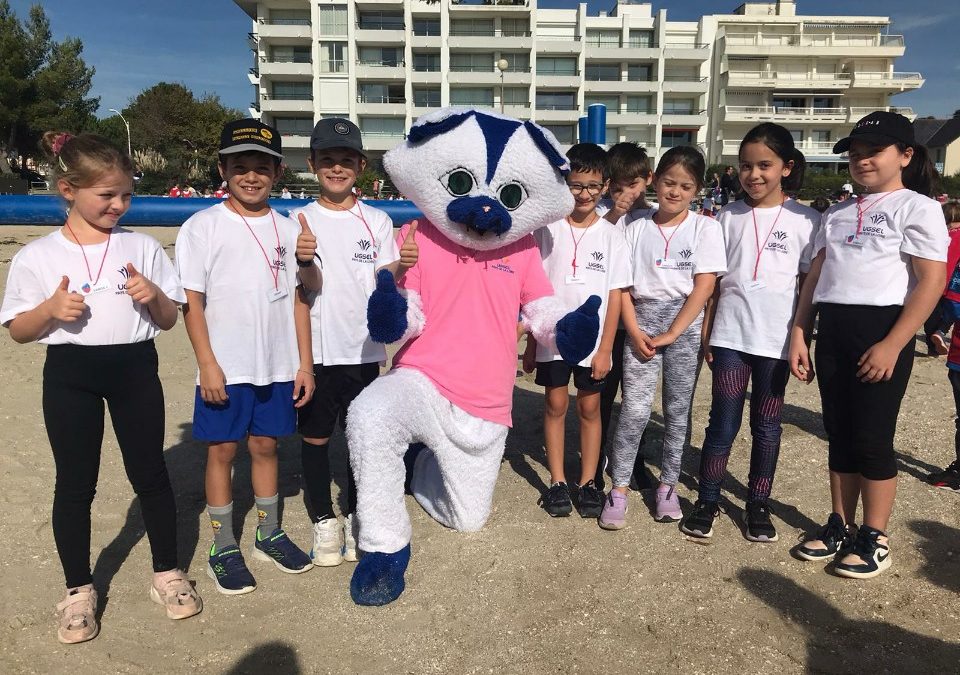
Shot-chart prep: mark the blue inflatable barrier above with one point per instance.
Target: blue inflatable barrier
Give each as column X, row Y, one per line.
column 164, row 211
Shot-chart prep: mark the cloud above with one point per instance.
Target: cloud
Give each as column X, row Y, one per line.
column 910, row 23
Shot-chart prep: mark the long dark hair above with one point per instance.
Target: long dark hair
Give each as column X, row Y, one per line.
column 780, row 141
column 919, row 175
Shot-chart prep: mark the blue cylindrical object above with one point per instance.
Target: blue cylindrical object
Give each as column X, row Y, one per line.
column 164, row 211
column 583, row 130
column 597, row 123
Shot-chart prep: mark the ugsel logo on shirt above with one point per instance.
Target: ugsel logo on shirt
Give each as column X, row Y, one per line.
column 279, row 263
column 366, row 254
column 779, row 242
column 597, row 263
column 874, row 228
column 685, row 263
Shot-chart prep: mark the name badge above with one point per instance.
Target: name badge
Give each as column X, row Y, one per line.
column 275, row 294
column 90, row 288
column 572, row 279
column 666, row 263
column 854, row 240
column 754, row 285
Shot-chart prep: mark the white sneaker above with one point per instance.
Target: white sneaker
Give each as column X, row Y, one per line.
column 350, row 539
column 327, row 548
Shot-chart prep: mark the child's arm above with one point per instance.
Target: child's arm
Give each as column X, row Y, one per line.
column 213, row 383
column 703, row 285
column 878, row 362
column 799, row 358
column 304, row 378
column 710, row 312
column 602, row 361
column 530, row 353
column 162, row 309
column 61, row 306
column 639, row 339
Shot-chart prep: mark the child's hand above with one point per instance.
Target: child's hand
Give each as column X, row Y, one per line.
column 601, row 364
column 213, row 384
column 799, row 358
column 305, row 382
column 529, row 360
column 306, row 241
column 641, row 345
column 626, row 199
column 663, row 340
column 409, row 251
column 64, row 305
column 141, row 289
column 707, row 354
column 878, row 362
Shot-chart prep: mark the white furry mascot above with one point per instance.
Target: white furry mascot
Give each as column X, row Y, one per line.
column 484, row 182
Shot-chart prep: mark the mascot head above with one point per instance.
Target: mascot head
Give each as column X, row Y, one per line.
column 483, row 179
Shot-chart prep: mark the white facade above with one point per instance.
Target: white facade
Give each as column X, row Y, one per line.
column 383, row 63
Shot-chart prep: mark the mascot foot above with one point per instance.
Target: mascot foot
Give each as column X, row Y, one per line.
column 378, row 578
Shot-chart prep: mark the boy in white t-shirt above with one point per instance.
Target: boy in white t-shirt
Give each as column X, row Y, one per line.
column 354, row 242
column 583, row 255
column 250, row 328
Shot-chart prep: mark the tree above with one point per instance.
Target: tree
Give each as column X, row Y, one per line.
column 44, row 84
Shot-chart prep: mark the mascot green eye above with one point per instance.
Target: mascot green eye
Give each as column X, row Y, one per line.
column 511, row 195
column 459, row 182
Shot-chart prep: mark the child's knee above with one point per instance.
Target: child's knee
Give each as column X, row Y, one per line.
column 588, row 406
column 262, row 446
column 221, row 453
column 557, row 401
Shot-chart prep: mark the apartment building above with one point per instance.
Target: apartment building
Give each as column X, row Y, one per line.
column 383, row 63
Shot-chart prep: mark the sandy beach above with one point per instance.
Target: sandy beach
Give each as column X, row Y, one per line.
column 527, row 594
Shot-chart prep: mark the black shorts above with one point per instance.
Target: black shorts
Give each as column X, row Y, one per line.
column 557, row 374
column 337, row 386
column 860, row 419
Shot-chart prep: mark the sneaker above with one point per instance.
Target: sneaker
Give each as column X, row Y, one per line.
column 614, row 514
column 589, row 500
column 78, row 615
column 700, row 521
column 173, row 591
column 948, row 479
column 835, row 537
column 350, row 539
column 278, row 549
column 875, row 556
column 327, row 548
column 759, row 526
column 668, row 505
column 556, row 500
column 229, row 571
column 940, row 343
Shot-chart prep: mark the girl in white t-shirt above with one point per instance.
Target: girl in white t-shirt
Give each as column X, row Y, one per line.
column 878, row 272
column 97, row 295
column 769, row 242
column 676, row 255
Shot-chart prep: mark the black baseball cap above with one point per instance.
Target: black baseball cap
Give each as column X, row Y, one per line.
column 250, row 135
column 879, row 128
column 336, row 132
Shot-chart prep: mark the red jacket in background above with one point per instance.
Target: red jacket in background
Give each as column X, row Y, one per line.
column 953, row 259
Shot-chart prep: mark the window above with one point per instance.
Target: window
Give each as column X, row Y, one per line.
column 287, row 54
column 612, row 102
column 613, row 135
column 602, row 38
column 556, row 100
column 824, row 102
column 556, row 65
column 821, row 135
column 380, row 93
column 515, row 27
column 565, row 133
column 519, row 61
column 333, row 20
column 674, row 137
column 639, row 72
column 292, row 91
column 641, row 38
column 294, row 126
column 382, row 126
column 426, row 62
column 785, row 104
column 602, row 72
column 380, row 21
column 290, row 17
column 426, row 27
column 639, row 104
column 678, row 74
column 678, row 106
column 797, row 135
column 331, row 57
column 472, row 27
column 516, row 96
column 477, row 96
column 426, row 97
column 472, row 63
column 381, row 56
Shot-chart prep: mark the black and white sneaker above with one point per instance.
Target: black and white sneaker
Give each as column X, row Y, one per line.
column 948, row 479
column 700, row 521
column 589, row 500
column 835, row 537
column 556, row 500
column 759, row 526
column 874, row 554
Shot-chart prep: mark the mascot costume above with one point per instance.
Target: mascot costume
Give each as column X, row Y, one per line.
column 484, row 183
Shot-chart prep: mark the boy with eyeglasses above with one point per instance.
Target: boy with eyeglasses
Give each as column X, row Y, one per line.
column 583, row 255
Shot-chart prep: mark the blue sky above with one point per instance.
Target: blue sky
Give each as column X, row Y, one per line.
column 203, row 43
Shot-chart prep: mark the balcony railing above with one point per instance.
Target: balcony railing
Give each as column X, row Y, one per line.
column 563, row 38
column 285, row 59
column 786, row 111
column 430, row 68
column 365, row 98
column 394, row 63
column 504, row 3
column 375, row 24
column 686, row 45
column 814, row 40
column 557, row 106
column 683, row 78
column 559, row 72
column 905, row 78
column 856, row 112
column 289, row 97
column 284, row 22
column 486, row 32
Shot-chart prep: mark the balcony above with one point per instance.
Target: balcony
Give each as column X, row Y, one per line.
column 298, row 31
column 284, row 103
column 627, row 115
column 814, row 44
column 565, row 79
column 389, row 106
column 612, row 52
column 889, row 81
column 485, row 39
column 686, row 51
column 295, row 141
column 379, row 32
column 812, row 150
column 855, row 113
column 558, row 113
column 694, row 118
column 486, row 75
column 784, row 80
column 380, row 70
column 548, row 44
column 766, row 113
column 621, row 85
column 285, row 68
column 426, row 77
column 511, row 6
column 420, row 110
column 421, row 41
column 684, row 84
column 519, row 110
column 381, row 141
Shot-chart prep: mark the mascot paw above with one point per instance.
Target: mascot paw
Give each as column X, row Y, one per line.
column 577, row 331
column 386, row 310
column 378, row 578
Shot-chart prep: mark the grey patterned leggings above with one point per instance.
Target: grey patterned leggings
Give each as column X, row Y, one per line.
column 679, row 362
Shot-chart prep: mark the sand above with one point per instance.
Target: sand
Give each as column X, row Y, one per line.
column 526, row 594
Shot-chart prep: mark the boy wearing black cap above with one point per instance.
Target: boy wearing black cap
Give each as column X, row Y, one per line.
column 354, row 242
column 249, row 324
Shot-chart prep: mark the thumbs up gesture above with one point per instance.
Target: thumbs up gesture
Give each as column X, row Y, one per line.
column 409, row 251
column 64, row 305
column 141, row 289
column 306, row 241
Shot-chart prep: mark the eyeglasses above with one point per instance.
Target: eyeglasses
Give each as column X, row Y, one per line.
column 591, row 188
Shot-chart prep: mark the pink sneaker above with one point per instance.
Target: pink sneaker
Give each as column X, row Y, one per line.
column 668, row 505
column 614, row 514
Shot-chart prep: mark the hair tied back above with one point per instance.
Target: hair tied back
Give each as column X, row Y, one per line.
column 59, row 142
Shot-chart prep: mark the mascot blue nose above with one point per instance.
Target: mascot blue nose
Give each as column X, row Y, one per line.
column 481, row 214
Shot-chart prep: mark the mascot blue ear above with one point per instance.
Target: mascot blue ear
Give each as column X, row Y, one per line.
column 546, row 147
column 422, row 132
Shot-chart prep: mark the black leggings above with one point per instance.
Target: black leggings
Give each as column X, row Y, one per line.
column 76, row 381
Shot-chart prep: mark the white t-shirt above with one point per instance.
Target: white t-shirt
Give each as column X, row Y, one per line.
column 350, row 260
column 602, row 265
column 756, row 317
column 874, row 268
column 663, row 271
column 252, row 336
column 113, row 318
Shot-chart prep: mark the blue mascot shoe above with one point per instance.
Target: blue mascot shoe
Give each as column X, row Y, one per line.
column 386, row 310
column 378, row 578
column 577, row 331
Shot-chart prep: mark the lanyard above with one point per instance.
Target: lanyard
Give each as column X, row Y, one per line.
column 862, row 211
column 667, row 240
column 274, row 269
column 359, row 216
column 87, row 262
column 576, row 241
column 756, row 235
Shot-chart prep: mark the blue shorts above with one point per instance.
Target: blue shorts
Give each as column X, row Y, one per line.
column 265, row 410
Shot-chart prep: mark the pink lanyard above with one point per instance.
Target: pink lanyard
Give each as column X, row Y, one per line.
column 666, row 240
column 274, row 269
column 359, row 215
column 861, row 211
column 87, row 262
column 576, row 242
column 756, row 235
